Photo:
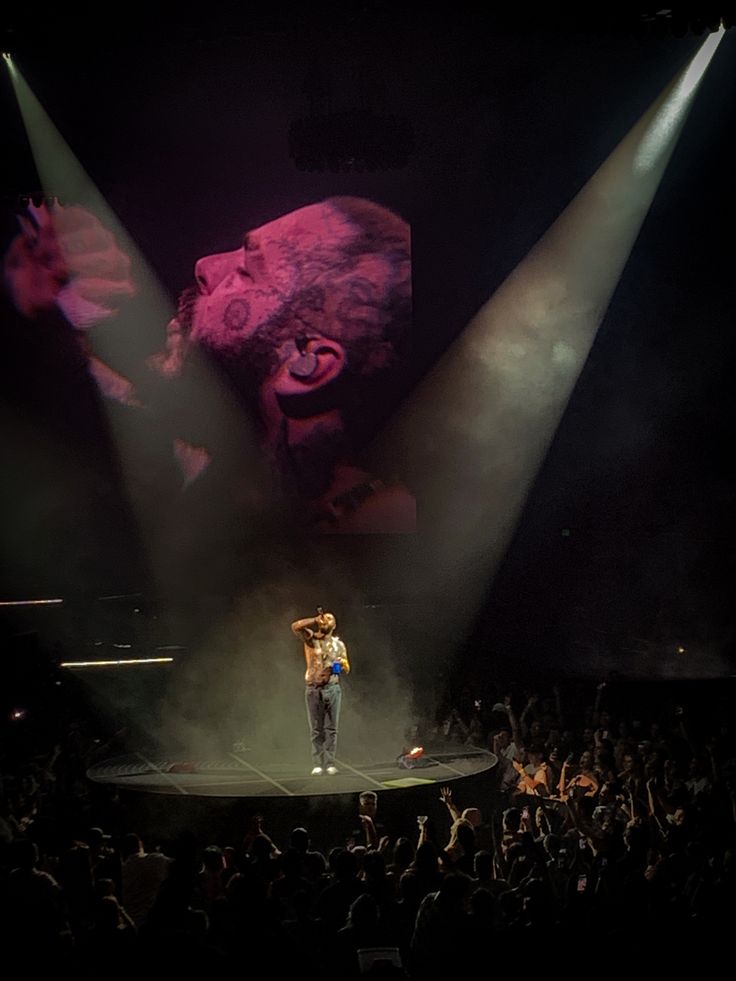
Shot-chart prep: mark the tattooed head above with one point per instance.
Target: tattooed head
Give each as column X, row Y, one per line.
column 339, row 269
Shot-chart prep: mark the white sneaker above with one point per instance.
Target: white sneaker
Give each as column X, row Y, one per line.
column 316, row 771
column 332, row 770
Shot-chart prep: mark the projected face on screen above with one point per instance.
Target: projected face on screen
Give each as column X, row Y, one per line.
column 308, row 319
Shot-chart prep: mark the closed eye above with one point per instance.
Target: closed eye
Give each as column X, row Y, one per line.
column 242, row 271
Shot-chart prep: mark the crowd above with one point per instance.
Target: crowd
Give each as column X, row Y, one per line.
column 601, row 832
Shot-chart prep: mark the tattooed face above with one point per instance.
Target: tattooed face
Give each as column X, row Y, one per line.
column 277, row 275
column 338, row 271
column 314, row 271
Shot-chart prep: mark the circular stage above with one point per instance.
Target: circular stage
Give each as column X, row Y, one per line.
column 247, row 774
column 216, row 796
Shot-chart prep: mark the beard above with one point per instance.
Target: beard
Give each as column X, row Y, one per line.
column 303, row 470
column 185, row 309
column 245, row 366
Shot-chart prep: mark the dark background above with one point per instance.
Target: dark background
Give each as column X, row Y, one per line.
column 625, row 549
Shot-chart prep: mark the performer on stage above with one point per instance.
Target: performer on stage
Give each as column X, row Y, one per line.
column 327, row 659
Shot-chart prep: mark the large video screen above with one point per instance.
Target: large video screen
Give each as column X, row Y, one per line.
column 303, row 326
column 250, row 402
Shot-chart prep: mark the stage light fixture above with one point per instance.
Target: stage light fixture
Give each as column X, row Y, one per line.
column 410, row 758
column 682, row 21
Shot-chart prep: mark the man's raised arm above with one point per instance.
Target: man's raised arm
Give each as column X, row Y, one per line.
column 303, row 628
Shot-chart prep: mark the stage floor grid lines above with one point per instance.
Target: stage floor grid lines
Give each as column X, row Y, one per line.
column 244, row 774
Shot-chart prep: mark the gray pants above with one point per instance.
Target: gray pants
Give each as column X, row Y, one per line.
column 323, row 713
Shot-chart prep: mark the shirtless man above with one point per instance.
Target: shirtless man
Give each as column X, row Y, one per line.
column 327, row 660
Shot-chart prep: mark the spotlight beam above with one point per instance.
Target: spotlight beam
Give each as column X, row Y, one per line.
column 480, row 424
column 62, row 176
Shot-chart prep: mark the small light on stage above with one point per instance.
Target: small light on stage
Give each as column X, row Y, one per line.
column 18, row 714
column 409, row 758
column 680, row 650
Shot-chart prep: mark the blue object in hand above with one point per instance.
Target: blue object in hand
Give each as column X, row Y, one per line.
column 336, row 667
